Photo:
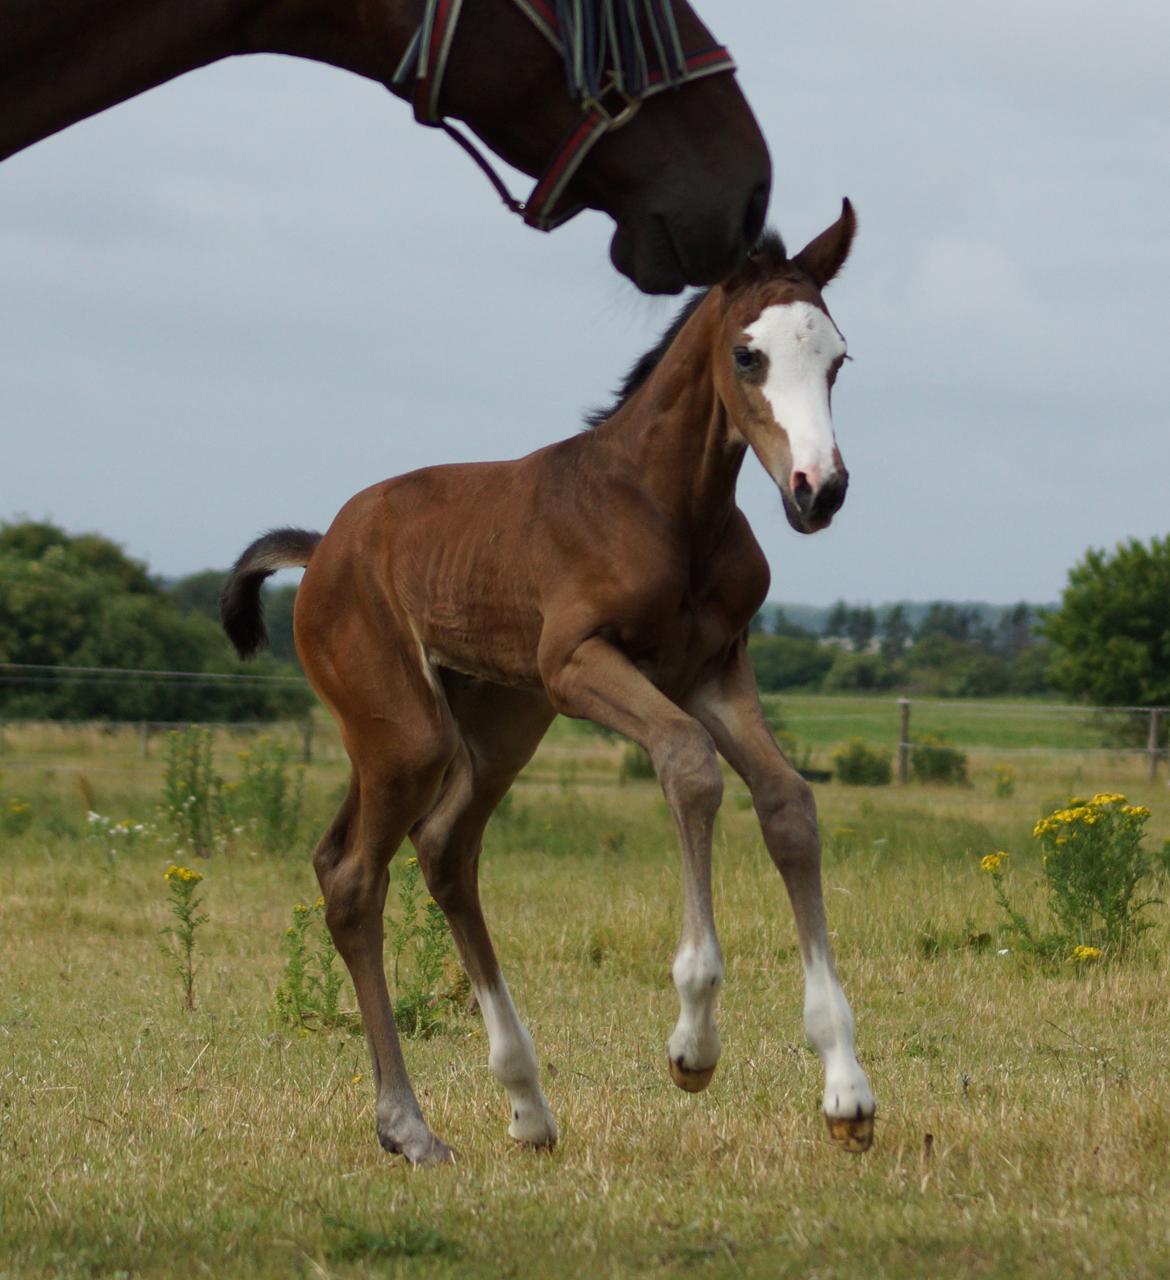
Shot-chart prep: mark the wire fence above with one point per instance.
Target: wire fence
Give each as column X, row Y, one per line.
column 1014, row 729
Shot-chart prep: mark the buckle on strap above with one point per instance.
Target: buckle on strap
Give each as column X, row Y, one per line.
column 613, row 105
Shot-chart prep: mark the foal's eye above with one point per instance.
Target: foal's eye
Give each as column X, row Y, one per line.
column 745, row 359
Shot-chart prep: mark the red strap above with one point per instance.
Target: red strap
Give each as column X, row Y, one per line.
column 538, row 208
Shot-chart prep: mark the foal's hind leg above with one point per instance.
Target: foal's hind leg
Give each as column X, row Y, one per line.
column 730, row 709
column 395, row 780
column 500, row 730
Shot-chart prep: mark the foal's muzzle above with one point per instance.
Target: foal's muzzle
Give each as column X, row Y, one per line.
column 809, row 510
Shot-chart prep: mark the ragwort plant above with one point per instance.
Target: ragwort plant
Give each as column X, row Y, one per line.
column 1093, row 864
column 193, row 791
column 184, row 904
column 423, row 958
column 266, row 798
column 309, row 994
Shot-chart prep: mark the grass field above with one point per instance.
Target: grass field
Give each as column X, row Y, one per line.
column 1023, row 1125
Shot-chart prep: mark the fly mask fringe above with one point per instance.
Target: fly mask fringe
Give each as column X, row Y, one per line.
column 605, row 37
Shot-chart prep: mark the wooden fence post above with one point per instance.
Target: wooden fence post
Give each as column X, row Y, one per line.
column 1152, row 744
column 904, row 741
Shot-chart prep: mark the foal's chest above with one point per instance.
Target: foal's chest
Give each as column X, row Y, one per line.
column 725, row 591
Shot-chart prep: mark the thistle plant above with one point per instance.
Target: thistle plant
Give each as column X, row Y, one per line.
column 184, row 903
column 1093, row 864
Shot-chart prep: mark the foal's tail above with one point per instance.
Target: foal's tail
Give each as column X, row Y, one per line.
column 240, row 609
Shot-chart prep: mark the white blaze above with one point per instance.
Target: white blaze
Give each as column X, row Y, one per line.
column 801, row 344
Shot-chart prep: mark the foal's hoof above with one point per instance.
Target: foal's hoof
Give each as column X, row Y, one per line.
column 535, row 1129
column 852, row 1135
column 420, row 1151
column 688, row 1080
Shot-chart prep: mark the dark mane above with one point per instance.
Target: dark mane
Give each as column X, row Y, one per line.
column 767, row 258
column 645, row 365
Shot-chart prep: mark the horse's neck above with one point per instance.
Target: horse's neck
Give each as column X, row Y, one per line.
column 62, row 62
column 674, row 431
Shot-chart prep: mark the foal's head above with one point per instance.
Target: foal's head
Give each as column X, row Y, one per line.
column 777, row 359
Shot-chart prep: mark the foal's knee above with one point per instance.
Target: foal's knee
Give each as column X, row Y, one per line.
column 688, row 768
column 788, row 817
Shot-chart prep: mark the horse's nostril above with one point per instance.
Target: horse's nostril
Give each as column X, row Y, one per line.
column 755, row 213
column 802, row 491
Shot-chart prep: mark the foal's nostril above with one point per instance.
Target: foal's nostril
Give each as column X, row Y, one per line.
column 755, row 213
column 802, row 492
column 832, row 494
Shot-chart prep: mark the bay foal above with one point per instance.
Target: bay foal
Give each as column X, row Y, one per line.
column 449, row 614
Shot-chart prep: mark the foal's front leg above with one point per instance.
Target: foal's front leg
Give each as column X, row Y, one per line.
column 599, row 683
column 730, row 709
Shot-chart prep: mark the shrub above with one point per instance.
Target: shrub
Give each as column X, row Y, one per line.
column 1005, row 781
column 635, row 763
column 860, row 671
column 861, row 765
column 933, row 760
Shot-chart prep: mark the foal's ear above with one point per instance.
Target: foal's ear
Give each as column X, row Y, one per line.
column 823, row 257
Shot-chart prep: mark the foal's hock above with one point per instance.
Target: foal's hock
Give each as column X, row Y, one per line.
column 449, row 614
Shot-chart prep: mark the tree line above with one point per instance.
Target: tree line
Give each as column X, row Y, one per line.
column 951, row 650
column 77, row 600
column 1106, row 643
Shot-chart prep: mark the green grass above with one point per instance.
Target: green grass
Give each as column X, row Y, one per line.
column 138, row 1139
column 822, row 721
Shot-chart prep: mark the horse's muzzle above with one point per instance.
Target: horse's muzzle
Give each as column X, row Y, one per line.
column 809, row 510
column 663, row 253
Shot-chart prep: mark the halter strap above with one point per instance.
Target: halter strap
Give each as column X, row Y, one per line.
column 607, row 70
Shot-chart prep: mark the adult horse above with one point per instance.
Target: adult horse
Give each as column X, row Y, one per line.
column 448, row 615
column 684, row 174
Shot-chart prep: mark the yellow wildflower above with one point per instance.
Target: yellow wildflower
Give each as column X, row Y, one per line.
column 319, row 903
column 183, row 874
column 357, row 1079
column 412, row 862
column 991, row 861
column 1135, row 811
column 1107, row 797
column 300, row 909
column 1086, row 953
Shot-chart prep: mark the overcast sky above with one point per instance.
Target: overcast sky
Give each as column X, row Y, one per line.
column 238, row 299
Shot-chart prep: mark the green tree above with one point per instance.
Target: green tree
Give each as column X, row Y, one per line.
column 198, row 593
column 837, row 623
column 1110, row 637
column 861, row 628
column 895, row 633
column 789, row 662
column 78, row 601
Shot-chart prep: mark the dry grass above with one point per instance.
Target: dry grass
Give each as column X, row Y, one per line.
column 137, row 1139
